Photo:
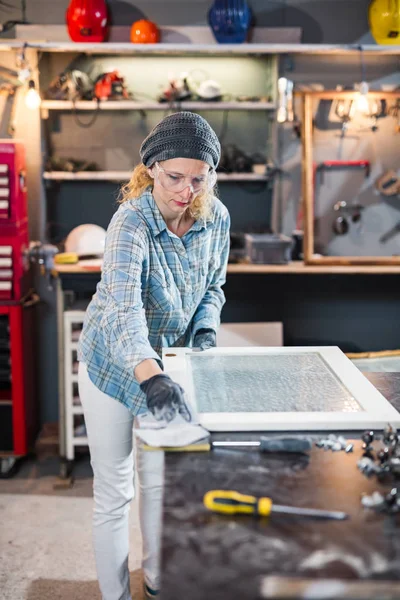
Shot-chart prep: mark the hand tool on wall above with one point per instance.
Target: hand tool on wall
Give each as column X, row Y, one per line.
column 341, row 223
column 388, row 184
column 346, row 212
column 342, row 164
column 269, row 445
column 319, row 168
column 389, row 234
column 232, row 503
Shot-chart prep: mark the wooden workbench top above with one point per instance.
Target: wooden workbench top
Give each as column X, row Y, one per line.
column 206, row 555
column 293, row 268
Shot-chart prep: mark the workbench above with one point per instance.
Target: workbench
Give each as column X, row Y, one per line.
column 355, row 308
column 207, row 555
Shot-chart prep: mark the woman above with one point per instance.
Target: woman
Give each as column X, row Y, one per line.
column 164, row 264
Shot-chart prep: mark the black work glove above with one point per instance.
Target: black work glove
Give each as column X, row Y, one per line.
column 165, row 398
column 205, row 339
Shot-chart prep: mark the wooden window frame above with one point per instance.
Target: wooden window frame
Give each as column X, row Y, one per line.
column 375, row 411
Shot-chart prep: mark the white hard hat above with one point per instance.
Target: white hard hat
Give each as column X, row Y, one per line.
column 209, row 89
column 86, row 240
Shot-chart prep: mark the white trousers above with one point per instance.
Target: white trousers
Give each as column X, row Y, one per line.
column 109, row 427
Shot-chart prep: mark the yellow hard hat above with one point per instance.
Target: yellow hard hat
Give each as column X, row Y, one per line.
column 384, row 21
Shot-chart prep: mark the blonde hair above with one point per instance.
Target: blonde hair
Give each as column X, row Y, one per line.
column 201, row 207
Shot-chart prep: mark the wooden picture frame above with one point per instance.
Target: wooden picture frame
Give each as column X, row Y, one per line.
column 307, row 168
column 215, row 389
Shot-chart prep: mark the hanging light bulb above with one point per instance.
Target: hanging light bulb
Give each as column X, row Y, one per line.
column 32, row 98
column 362, row 103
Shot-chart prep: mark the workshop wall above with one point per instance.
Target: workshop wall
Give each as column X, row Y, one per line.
column 69, row 204
column 323, row 21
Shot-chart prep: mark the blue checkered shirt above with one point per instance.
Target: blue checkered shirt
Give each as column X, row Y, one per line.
column 156, row 291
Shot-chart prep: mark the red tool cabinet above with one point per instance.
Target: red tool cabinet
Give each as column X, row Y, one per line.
column 18, row 411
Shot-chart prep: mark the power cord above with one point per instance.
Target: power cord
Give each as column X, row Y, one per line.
column 92, row 120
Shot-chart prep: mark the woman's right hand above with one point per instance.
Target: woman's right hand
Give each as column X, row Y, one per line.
column 165, row 398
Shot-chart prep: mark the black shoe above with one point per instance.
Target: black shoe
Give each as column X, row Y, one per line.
column 149, row 592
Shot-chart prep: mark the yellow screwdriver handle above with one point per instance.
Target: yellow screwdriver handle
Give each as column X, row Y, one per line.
column 231, row 503
column 66, row 258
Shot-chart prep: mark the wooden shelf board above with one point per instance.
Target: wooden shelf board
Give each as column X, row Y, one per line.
column 213, row 49
column 162, row 106
column 126, row 175
column 293, row 268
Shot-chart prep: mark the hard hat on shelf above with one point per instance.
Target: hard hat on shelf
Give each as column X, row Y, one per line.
column 86, row 240
column 144, row 32
column 384, row 21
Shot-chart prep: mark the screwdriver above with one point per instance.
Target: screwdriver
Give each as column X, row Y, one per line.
column 231, row 503
column 292, row 445
column 272, row 444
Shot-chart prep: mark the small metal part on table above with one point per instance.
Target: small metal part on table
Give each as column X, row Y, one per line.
column 389, row 504
column 386, row 460
column 334, row 443
column 390, row 434
column 368, row 467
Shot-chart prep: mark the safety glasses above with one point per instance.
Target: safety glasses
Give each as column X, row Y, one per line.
column 175, row 182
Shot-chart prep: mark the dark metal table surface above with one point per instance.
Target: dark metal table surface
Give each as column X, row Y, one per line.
column 218, row 557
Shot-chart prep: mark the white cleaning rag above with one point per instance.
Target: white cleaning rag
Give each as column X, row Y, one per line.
column 176, row 433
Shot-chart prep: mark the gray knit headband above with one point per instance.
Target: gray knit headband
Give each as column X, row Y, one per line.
column 181, row 135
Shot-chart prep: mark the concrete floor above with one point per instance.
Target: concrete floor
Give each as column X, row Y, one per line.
column 45, row 535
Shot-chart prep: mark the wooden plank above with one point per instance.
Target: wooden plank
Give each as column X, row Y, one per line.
column 354, row 260
column 292, row 268
column 162, row 106
column 347, row 95
column 192, row 34
column 214, row 49
column 307, row 178
column 88, row 175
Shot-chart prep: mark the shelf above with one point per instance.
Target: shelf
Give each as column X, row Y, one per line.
column 205, row 49
column 80, row 441
column 299, row 268
column 126, row 175
column 293, row 268
column 162, row 106
column 77, row 410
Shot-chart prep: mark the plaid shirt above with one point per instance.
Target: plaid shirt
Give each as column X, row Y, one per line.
column 156, row 291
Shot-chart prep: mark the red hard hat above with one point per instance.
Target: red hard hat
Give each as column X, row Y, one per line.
column 87, row 20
